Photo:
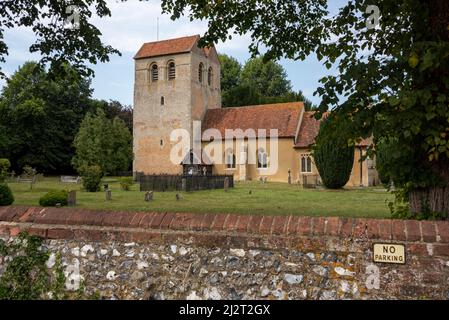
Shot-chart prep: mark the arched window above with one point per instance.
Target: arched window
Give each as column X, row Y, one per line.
column 154, row 72
column 171, row 70
column 162, row 101
column 306, row 163
column 200, row 72
column 262, row 159
column 230, row 159
column 209, row 76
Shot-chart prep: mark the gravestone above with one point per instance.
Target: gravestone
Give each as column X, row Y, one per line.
column 71, row 198
column 226, row 184
column 148, row 195
column 178, row 197
column 108, row 195
column 184, row 184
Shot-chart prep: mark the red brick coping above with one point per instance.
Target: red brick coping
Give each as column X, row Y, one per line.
column 70, row 223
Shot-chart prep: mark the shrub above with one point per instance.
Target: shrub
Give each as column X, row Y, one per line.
column 4, row 167
column 92, row 176
column 126, row 183
column 334, row 164
column 333, row 156
column 6, row 197
column 29, row 171
column 51, row 198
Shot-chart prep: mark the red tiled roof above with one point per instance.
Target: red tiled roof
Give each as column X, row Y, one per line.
column 166, row 47
column 308, row 131
column 281, row 116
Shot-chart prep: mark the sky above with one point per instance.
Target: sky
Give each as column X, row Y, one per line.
column 133, row 23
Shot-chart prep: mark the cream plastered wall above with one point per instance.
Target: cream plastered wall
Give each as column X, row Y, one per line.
column 287, row 159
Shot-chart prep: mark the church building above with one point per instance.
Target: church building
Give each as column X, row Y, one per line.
column 177, row 84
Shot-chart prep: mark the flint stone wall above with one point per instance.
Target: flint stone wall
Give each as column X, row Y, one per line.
column 126, row 255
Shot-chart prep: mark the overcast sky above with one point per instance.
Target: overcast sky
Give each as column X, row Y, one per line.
column 132, row 23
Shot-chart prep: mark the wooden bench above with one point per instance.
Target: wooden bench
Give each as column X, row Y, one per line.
column 32, row 179
column 70, row 179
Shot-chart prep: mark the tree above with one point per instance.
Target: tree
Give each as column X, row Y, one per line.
column 230, row 72
column 258, row 82
column 41, row 114
column 308, row 104
column 393, row 78
column 333, row 156
column 103, row 142
column 114, row 108
column 57, row 42
column 268, row 78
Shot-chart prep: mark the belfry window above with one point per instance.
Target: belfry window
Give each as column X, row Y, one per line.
column 171, row 70
column 162, row 101
column 209, row 76
column 154, row 73
column 200, row 73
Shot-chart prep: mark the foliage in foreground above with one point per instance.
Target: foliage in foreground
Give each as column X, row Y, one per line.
column 26, row 276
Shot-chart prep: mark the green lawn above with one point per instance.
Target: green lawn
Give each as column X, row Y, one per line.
column 270, row 198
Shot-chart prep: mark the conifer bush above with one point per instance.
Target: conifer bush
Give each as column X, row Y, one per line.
column 333, row 156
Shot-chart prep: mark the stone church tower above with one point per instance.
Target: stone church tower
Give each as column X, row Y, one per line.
column 176, row 82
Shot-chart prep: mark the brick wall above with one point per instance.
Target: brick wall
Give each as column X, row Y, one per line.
column 145, row 255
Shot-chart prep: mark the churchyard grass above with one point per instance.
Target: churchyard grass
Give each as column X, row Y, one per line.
column 265, row 198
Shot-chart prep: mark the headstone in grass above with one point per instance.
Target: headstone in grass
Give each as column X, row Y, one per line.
column 226, row 184
column 71, row 198
column 108, row 195
column 178, row 197
column 184, row 184
column 148, row 195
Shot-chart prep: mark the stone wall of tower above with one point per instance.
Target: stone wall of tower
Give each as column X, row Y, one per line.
column 205, row 96
column 154, row 122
